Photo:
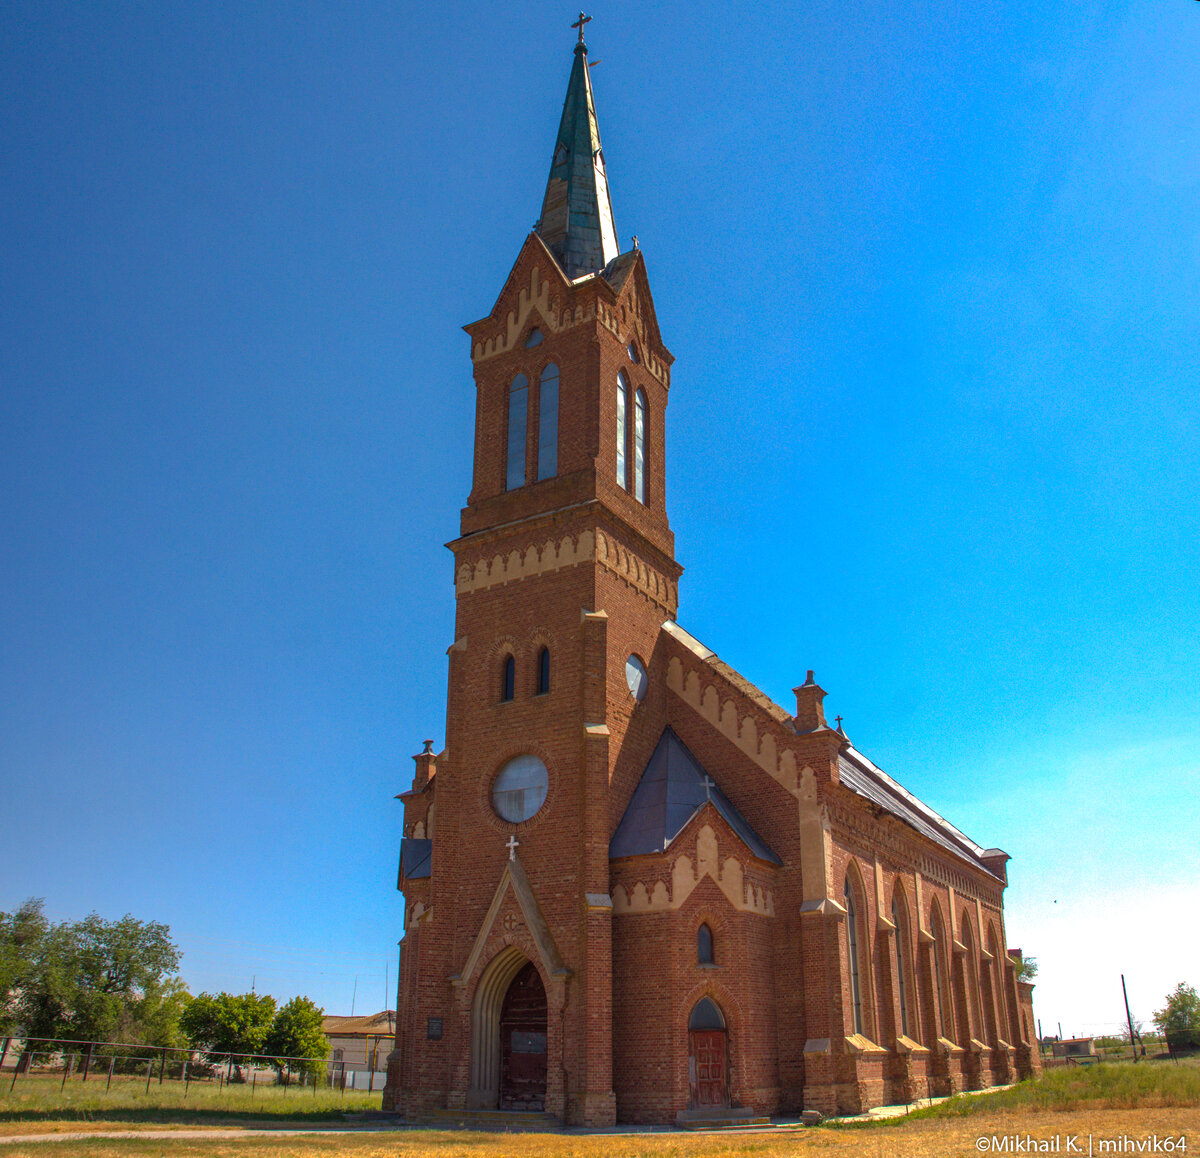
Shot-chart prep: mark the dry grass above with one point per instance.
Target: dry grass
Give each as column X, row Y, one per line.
column 925, row 1138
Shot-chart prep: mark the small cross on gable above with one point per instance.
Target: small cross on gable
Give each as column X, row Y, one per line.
column 511, row 845
column 709, row 784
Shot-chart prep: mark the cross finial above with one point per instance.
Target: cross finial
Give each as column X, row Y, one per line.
column 838, row 720
column 511, row 845
column 709, row 785
column 579, row 24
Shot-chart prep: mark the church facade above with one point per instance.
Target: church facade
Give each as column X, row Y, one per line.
column 634, row 886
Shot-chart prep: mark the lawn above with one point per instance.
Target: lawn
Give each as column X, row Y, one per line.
column 1117, row 1108
column 44, row 1104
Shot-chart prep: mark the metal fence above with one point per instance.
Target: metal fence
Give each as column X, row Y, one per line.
column 100, row 1062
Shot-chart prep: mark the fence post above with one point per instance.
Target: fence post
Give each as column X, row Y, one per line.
column 4, row 1051
column 112, row 1061
column 87, row 1059
column 67, row 1067
column 186, row 1079
column 163, row 1067
column 149, row 1073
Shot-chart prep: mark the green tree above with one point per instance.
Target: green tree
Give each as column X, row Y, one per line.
column 296, row 1033
column 115, row 974
column 22, row 943
column 1026, row 968
column 227, row 1024
column 90, row 980
column 1179, row 1019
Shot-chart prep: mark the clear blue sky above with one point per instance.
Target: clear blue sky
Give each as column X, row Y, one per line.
column 931, row 273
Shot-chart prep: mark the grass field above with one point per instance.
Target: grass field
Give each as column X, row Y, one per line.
column 1117, row 1105
column 39, row 1104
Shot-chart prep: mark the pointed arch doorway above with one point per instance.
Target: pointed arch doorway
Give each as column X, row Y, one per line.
column 523, row 1043
column 708, row 1056
column 508, row 1036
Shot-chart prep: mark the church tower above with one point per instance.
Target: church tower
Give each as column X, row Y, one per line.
column 635, row 887
column 564, row 573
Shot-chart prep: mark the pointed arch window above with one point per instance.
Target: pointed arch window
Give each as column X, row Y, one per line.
column 971, row 978
column 547, row 461
column 704, row 945
column 543, row 671
column 508, row 679
column 639, row 447
column 706, row 1014
column 622, row 429
column 938, row 948
column 518, row 413
column 852, row 964
column 900, row 935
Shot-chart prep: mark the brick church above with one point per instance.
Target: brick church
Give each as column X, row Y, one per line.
column 634, row 886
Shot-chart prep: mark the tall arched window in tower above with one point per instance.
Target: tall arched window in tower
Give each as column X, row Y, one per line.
column 508, row 679
column 704, row 945
column 852, row 954
column 543, row 671
column 518, row 413
column 547, row 463
column 901, row 946
column 622, row 432
column 639, row 448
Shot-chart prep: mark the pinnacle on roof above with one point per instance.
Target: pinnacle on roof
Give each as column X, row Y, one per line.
column 577, row 218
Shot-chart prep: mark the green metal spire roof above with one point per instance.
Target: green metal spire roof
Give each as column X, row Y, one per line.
column 577, row 218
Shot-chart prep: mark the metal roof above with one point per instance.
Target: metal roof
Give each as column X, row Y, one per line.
column 671, row 791
column 416, row 857
column 857, row 773
column 577, row 218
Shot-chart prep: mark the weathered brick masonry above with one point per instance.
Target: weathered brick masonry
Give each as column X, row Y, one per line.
column 724, row 902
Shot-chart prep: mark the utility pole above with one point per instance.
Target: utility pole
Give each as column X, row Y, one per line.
column 1129, row 1019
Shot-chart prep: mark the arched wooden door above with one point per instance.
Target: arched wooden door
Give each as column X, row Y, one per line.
column 523, row 1043
column 708, row 1057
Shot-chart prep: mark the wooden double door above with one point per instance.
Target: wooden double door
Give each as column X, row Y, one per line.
column 707, row 1067
column 523, row 1043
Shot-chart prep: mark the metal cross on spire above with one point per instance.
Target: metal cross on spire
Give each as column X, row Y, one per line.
column 579, row 24
column 709, row 784
column 511, row 845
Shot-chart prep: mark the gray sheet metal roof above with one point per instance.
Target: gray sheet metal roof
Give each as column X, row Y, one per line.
column 857, row 773
column 671, row 792
column 416, row 857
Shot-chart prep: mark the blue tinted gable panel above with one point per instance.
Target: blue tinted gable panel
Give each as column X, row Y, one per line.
column 670, row 793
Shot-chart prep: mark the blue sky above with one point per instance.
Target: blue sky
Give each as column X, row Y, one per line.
column 931, row 275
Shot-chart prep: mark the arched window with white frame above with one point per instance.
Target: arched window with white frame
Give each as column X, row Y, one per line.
column 518, row 415
column 639, row 447
column 547, row 460
column 622, row 430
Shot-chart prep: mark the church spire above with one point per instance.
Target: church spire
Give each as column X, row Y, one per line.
column 577, row 218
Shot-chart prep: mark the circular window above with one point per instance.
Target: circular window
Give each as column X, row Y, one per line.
column 520, row 789
column 636, row 678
